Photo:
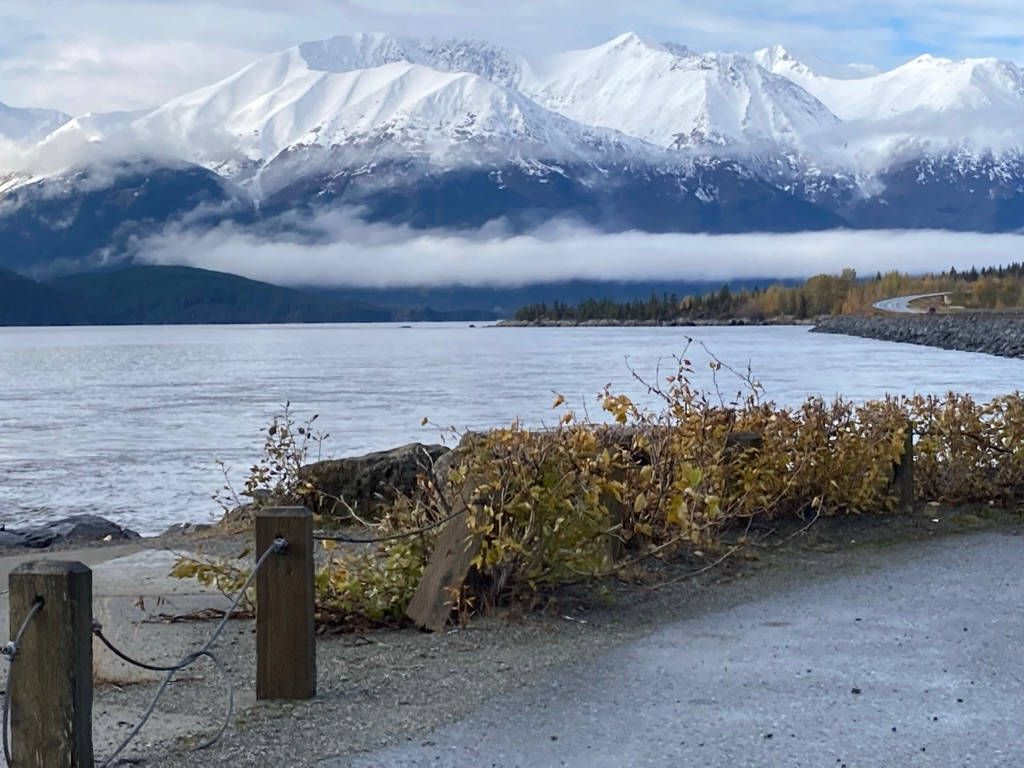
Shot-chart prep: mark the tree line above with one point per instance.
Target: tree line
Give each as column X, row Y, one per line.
column 846, row 293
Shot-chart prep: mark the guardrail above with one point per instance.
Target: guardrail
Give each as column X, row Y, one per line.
column 49, row 693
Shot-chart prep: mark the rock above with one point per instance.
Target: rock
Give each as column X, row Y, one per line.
column 11, row 539
column 186, row 529
column 367, row 482
column 448, row 461
column 993, row 333
column 75, row 528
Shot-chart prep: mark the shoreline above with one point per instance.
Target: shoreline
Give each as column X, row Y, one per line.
column 998, row 333
column 675, row 323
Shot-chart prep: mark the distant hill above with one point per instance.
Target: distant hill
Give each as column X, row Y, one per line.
column 24, row 302
column 164, row 294
column 172, row 295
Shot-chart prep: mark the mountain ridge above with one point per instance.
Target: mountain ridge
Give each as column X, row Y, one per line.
column 440, row 134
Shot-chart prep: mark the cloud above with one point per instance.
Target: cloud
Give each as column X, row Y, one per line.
column 100, row 55
column 376, row 255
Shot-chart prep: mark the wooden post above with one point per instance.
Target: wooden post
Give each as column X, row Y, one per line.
column 903, row 474
column 285, row 621
column 51, row 676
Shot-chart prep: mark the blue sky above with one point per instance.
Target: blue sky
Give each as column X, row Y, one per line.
column 100, row 55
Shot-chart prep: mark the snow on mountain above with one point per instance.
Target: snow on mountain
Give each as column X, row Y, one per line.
column 27, row 126
column 928, row 107
column 671, row 97
column 281, row 106
column 780, row 61
column 926, row 84
column 662, row 93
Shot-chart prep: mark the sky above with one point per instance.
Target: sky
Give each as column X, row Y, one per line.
column 106, row 55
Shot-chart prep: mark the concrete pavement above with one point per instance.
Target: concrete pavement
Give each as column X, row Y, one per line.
column 915, row 663
column 901, row 304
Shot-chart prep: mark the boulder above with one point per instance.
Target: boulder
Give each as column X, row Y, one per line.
column 367, row 482
column 74, row 528
column 186, row 529
column 450, row 460
column 11, row 539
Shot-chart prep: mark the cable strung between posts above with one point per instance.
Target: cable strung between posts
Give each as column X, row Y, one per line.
column 391, row 537
column 11, row 652
column 279, row 545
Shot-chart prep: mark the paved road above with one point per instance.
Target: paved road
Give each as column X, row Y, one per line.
column 902, row 303
column 918, row 663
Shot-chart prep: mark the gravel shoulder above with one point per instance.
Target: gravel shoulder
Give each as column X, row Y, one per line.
column 387, row 688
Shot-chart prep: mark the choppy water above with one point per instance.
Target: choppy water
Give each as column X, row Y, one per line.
column 127, row 422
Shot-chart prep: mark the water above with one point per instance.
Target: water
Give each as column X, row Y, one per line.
column 128, row 422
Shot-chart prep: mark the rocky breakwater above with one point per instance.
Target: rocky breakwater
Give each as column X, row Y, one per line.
column 994, row 333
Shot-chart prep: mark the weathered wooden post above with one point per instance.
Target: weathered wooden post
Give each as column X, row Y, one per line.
column 51, row 674
column 285, row 621
column 903, row 473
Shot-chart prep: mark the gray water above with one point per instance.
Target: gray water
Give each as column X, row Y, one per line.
column 128, row 422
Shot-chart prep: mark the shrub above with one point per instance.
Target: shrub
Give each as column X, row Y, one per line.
column 582, row 500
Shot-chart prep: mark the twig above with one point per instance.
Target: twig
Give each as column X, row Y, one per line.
column 698, row 572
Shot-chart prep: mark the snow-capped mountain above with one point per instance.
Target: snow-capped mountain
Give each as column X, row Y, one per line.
column 950, row 113
column 661, row 93
column 926, row 84
column 27, row 126
column 281, row 109
column 630, row 134
column 344, row 54
column 674, row 98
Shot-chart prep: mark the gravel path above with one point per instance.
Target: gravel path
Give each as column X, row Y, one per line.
column 916, row 663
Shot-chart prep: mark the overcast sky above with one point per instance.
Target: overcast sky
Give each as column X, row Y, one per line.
column 102, row 55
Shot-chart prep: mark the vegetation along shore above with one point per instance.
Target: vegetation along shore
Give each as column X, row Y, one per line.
column 819, row 296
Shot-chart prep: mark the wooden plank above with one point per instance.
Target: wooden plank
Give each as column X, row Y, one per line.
column 744, row 440
column 903, row 472
column 285, row 606
column 51, row 676
column 432, row 605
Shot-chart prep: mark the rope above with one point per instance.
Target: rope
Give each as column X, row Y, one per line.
column 392, row 537
column 205, row 651
column 11, row 652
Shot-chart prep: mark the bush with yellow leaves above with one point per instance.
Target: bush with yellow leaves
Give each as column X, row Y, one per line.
column 582, row 500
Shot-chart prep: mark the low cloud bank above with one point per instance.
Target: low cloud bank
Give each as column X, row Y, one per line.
column 354, row 253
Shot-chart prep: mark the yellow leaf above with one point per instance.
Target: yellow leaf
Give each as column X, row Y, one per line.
column 330, row 544
column 640, row 503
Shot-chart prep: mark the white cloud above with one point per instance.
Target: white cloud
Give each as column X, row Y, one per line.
column 373, row 255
